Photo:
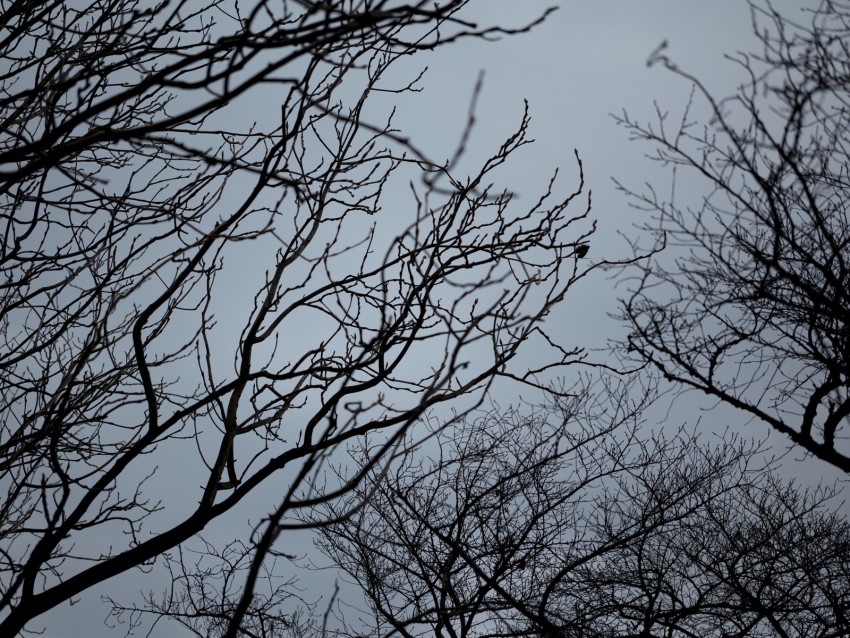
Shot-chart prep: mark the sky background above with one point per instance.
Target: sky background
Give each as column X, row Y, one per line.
column 586, row 61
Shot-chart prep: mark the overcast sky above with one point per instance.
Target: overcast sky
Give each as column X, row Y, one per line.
column 585, row 62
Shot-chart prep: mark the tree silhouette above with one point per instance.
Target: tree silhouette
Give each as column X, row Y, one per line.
column 211, row 286
column 573, row 521
column 750, row 301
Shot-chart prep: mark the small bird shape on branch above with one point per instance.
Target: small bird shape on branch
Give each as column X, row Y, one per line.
column 581, row 250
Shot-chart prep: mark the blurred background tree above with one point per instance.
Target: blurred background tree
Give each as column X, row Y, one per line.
column 750, row 303
column 575, row 521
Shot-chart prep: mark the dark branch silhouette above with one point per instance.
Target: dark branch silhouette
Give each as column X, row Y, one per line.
column 574, row 522
column 750, row 301
column 214, row 279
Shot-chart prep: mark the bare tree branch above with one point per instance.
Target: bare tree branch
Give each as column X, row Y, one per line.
column 749, row 302
column 213, row 281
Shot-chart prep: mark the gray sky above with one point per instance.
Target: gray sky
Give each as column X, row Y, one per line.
column 586, row 61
